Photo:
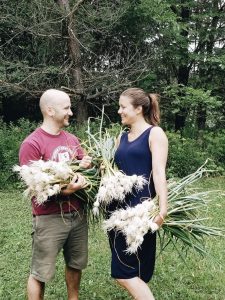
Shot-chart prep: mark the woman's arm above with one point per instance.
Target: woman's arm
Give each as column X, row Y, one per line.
column 159, row 147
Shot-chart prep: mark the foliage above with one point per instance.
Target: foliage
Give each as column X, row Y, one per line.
column 214, row 142
column 171, row 47
column 11, row 136
column 177, row 98
column 184, row 155
column 187, row 154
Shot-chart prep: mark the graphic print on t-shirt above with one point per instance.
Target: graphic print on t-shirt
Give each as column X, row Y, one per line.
column 62, row 153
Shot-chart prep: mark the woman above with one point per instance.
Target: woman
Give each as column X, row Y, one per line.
column 141, row 151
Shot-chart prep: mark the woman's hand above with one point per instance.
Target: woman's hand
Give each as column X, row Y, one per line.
column 78, row 182
column 159, row 219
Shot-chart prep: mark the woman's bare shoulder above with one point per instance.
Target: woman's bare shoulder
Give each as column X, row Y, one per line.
column 157, row 132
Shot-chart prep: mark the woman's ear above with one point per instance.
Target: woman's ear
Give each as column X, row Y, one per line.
column 139, row 109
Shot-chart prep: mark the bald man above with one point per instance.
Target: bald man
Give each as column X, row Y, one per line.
column 60, row 223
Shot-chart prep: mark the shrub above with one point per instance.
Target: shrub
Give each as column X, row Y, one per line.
column 11, row 136
column 214, row 142
column 185, row 155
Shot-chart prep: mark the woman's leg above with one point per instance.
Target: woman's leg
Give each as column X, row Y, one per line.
column 137, row 288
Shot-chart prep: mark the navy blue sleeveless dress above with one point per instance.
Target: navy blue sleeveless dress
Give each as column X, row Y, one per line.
column 133, row 158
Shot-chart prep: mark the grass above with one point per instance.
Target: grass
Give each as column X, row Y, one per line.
column 203, row 278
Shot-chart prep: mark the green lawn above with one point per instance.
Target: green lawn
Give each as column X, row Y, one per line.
column 204, row 278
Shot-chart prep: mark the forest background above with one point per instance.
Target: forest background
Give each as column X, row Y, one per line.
column 95, row 49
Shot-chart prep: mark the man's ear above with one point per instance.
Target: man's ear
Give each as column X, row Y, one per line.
column 50, row 111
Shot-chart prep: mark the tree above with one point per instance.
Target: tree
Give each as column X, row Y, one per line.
column 95, row 49
column 89, row 49
column 190, row 41
column 74, row 53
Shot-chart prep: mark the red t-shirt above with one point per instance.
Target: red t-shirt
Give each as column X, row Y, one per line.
column 62, row 147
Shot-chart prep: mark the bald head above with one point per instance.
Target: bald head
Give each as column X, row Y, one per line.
column 51, row 98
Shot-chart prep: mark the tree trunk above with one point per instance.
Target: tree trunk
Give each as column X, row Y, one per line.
column 183, row 69
column 206, row 74
column 75, row 66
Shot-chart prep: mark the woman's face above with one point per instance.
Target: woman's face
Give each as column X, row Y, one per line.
column 127, row 111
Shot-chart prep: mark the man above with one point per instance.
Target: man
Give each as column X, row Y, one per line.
column 60, row 222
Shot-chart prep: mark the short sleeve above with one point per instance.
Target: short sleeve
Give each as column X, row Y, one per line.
column 28, row 152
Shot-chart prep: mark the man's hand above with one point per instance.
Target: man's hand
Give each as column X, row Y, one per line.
column 85, row 162
column 78, row 182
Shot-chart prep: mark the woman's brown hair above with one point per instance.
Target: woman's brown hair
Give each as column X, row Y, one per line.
column 148, row 101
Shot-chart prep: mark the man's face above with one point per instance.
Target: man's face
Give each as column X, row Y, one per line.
column 62, row 112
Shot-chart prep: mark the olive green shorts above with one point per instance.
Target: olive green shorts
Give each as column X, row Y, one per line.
column 52, row 233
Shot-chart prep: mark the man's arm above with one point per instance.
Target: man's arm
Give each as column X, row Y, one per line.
column 86, row 162
column 78, row 182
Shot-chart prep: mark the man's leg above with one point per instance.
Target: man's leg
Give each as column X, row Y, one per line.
column 73, row 277
column 75, row 253
column 50, row 233
column 35, row 289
